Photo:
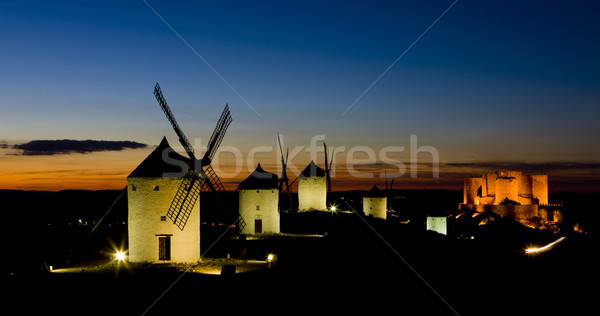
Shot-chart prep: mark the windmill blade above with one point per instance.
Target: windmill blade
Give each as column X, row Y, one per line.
column 389, row 201
column 331, row 161
column 165, row 107
column 286, row 179
column 185, row 199
column 287, row 154
column 327, row 171
column 385, row 176
column 283, row 179
column 214, row 184
column 332, row 157
column 212, row 181
column 217, row 136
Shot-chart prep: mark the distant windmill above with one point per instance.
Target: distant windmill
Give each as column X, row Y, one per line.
column 284, row 178
column 198, row 178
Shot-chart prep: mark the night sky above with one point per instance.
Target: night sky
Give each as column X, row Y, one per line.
column 488, row 84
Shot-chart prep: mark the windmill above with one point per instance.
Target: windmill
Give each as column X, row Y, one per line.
column 200, row 175
column 284, row 179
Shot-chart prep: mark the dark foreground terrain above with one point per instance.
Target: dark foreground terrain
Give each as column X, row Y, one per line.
column 355, row 264
column 346, row 271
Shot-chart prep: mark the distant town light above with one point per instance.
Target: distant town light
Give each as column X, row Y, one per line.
column 333, row 208
column 120, row 256
column 270, row 257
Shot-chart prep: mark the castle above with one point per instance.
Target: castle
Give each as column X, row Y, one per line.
column 509, row 193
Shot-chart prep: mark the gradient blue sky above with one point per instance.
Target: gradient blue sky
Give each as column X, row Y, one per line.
column 492, row 81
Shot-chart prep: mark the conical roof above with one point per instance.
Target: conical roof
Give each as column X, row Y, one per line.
column 375, row 193
column 312, row 170
column 162, row 162
column 259, row 179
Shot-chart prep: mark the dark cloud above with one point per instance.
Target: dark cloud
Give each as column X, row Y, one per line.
column 68, row 146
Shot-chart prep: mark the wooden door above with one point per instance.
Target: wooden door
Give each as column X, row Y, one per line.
column 164, row 248
column 258, row 226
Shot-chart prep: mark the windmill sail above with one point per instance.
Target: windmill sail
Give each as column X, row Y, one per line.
column 284, row 178
column 217, row 136
column 200, row 177
column 184, row 200
column 213, row 179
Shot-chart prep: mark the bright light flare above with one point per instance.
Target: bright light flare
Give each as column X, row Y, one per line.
column 546, row 247
column 120, row 256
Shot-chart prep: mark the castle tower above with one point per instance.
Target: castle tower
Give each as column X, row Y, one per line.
column 473, row 190
column 150, row 191
column 312, row 188
column 259, row 202
column 539, row 188
column 375, row 203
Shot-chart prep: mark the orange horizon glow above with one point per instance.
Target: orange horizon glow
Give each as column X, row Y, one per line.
column 109, row 171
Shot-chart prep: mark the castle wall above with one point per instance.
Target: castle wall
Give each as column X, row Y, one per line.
column 506, row 187
column 312, row 193
column 525, row 187
column 471, row 185
column 489, row 185
column 375, row 207
column 260, row 205
column 550, row 213
column 509, row 174
column 539, row 188
column 514, row 211
column 146, row 206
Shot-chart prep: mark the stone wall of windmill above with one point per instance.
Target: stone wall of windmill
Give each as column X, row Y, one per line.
column 259, row 203
column 312, row 189
column 375, row 203
column 150, row 191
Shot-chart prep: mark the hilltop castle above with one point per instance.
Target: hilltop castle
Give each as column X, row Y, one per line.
column 509, row 193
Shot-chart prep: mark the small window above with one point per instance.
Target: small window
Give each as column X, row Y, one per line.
column 133, row 187
column 257, row 191
column 156, row 188
column 258, row 207
column 163, row 218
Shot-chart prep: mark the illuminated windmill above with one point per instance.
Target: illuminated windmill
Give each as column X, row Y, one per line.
column 200, row 175
column 375, row 203
column 312, row 188
column 259, row 202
